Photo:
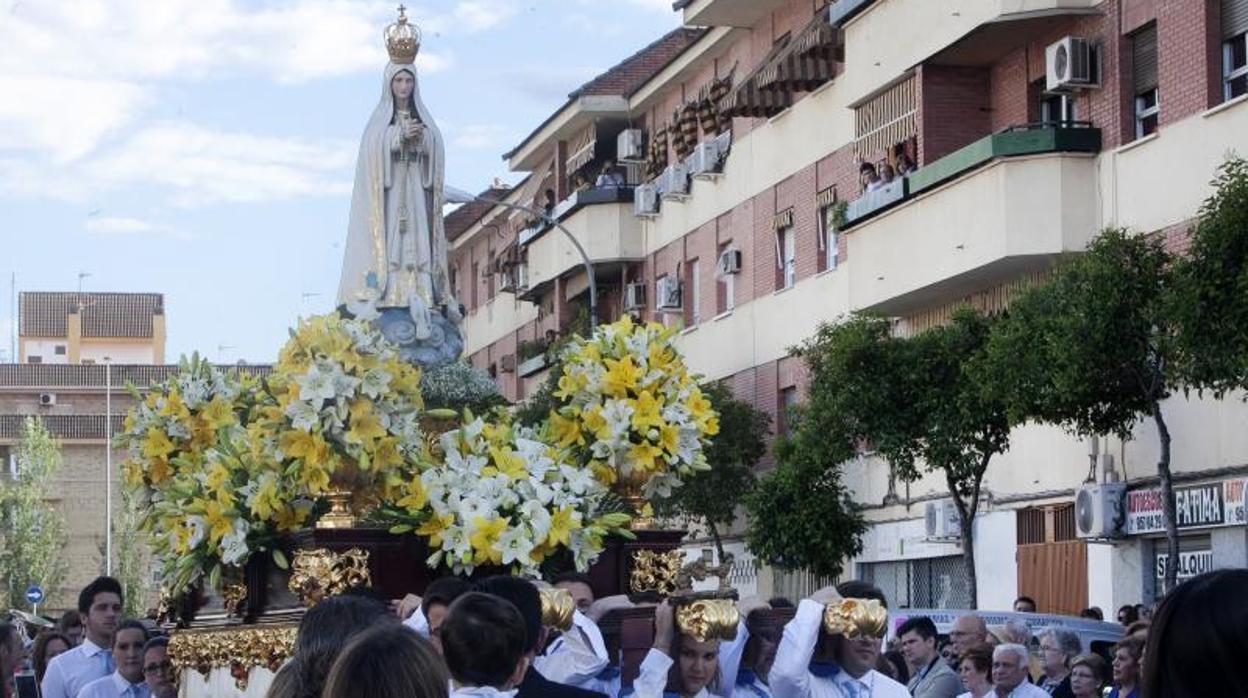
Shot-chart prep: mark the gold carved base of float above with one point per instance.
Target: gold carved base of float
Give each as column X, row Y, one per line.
column 317, row 574
column 340, row 514
column 239, row 649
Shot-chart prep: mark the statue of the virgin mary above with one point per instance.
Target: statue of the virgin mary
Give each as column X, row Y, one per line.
column 396, row 253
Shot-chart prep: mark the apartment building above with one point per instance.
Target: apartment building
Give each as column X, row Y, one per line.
column 87, row 328
column 733, row 206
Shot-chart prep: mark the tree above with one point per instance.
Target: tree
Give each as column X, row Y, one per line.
column 916, row 401
column 32, row 531
column 1094, row 350
column 711, row 496
column 132, row 556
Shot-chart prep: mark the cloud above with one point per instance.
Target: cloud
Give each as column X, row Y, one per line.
column 477, row 136
column 483, row 15
column 39, row 114
column 122, row 226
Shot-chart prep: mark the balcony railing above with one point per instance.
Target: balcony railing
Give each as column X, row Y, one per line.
column 1027, row 139
column 622, row 194
column 844, row 10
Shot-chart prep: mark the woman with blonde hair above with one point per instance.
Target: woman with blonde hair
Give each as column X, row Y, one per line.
column 388, row 662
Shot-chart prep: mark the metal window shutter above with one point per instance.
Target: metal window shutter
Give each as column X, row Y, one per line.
column 1144, row 55
column 1234, row 18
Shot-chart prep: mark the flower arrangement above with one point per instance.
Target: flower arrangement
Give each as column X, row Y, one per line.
column 346, row 410
column 209, row 495
column 630, row 408
column 502, row 496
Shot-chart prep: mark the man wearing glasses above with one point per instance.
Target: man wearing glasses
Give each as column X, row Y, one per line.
column 157, row 669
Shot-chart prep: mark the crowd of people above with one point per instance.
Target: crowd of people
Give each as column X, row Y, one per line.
column 489, row 639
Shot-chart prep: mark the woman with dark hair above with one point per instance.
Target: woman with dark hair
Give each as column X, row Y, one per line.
column 1087, row 676
column 388, row 662
column 47, row 645
column 975, row 671
column 1198, row 639
column 11, row 656
column 325, row 629
column 685, row 657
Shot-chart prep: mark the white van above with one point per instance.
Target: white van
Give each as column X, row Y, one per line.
column 1097, row 636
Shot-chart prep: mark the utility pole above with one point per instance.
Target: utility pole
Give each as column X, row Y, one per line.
column 108, row 465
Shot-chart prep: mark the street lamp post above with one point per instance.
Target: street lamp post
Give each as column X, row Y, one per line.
column 108, row 466
column 459, row 196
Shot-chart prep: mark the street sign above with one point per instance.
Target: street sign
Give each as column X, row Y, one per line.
column 34, row 594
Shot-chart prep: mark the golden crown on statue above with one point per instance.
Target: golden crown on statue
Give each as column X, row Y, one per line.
column 402, row 39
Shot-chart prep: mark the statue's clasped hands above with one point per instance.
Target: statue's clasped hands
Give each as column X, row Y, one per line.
column 415, row 133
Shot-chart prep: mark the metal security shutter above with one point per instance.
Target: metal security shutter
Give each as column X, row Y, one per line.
column 1144, row 55
column 1234, row 18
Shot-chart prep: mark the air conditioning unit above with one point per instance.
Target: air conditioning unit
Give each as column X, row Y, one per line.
column 706, row 162
column 635, row 296
column 1100, row 510
column 630, row 146
column 668, row 293
column 646, row 201
column 941, row 520
column 674, row 182
column 729, row 262
column 47, row 399
column 507, row 364
column 1070, row 65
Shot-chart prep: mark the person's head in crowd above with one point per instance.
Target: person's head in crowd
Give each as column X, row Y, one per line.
column 1139, row 626
column 1024, row 604
column 1087, row 675
column 1126, row 664
column 949, row 653
column 49, row 644
column 1015, row 632
column 389, row 661
column 324, row 631
column 975, row 668
column 99, row 603
column 128, row 642
column 893, row 665
column 1093, row 613
column 918, row 642
column 1009, row 667
column 525, row 597
column 858, row 655
column 760, row 649
column 580, row 182
column 867, row 174
column 485, row 642
column 887, row 173
column 1143, row 612
column 695, row 659
column 968, row 630
column 1198, row 640
column 1058, row 647
column 1127, row 615
column 780, row 602
column 157, row 669
column 12, row 654
column 439, row 596
column 904, row 164
column 70, row 625
column 577, row 584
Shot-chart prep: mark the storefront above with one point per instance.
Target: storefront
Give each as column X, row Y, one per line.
column 1213, row 530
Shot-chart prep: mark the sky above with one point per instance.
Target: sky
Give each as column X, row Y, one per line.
column 205, row 149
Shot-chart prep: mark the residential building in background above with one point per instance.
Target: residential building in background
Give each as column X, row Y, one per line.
column 716, row 182
column 90, row 328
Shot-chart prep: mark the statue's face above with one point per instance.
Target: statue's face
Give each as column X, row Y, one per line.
column 401, row 85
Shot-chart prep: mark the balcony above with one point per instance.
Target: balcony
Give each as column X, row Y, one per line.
column 844, row 10
column 600, row 219
column 726, row 13
column 1004, row 206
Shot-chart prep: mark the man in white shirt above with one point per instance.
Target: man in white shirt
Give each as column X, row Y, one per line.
column 851, row 672
column 127, row 680
column 484, row 640
column 1009, row 673
column 99, row 603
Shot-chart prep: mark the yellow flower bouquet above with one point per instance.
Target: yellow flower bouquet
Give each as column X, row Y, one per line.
column 630, row 410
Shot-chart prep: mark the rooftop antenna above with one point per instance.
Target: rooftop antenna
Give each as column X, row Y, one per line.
column 82, row 274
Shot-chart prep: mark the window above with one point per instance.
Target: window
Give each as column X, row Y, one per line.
column 725, row 283
column 828, row 242
column 34, row 359
column 59, row 350
column 475, row 281
column 787, row 246
column 1057, row 109
column 937, row 582
column 695, row 293
column 788, row 401
column 1147, row 99
column 1235, row 67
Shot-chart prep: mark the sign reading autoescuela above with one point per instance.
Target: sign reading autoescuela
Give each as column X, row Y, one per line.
column 1196, row 506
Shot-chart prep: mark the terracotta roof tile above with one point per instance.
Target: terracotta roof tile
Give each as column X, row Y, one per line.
column 103, row 314
column 461, row 219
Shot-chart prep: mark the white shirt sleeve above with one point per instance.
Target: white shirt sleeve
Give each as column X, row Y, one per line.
column 577, row 657
column 54, row 681
column 653, row 677
column 730, row 653
column 790, row 673
column 418, row 622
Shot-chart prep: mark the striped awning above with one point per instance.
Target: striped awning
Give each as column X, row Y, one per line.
column 582, row 148
column 826, row 198
column 887, row 119
column 749, row 98
column 784, row 219
column 806, row 62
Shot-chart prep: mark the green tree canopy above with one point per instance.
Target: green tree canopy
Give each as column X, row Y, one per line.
column 32, row 531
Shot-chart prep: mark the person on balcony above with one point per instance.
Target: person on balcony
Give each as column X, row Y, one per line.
column 868, row 177
column 887, row 174
column 610, row 177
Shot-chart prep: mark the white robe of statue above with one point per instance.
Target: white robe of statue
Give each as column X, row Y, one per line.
column 396, row 251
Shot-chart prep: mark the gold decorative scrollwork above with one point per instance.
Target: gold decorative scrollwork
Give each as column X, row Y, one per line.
column 316, row 574
column 233, row 596
column 855, row 618
column 708, row 619
column 655, row 571
column 237, row 649
column 557, row 608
